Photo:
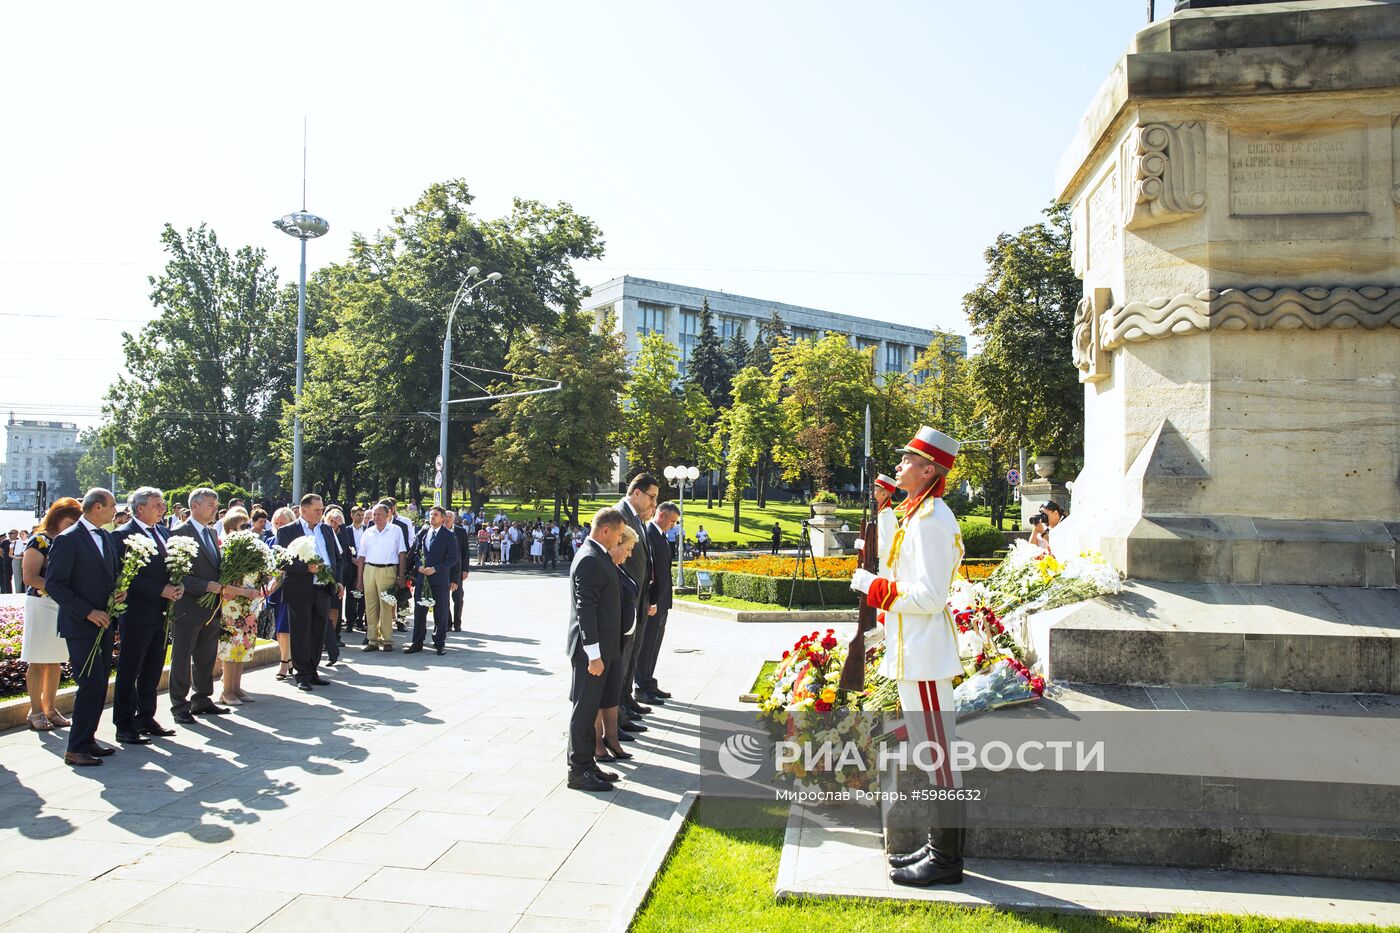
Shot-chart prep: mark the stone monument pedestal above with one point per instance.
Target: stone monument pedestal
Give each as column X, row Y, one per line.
column 825, row 533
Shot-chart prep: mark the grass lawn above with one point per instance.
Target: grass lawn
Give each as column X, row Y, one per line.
column 729, row 602
column 721, row 875
column 755, row 524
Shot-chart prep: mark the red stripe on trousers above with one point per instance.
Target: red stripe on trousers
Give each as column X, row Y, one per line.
column 928, row 692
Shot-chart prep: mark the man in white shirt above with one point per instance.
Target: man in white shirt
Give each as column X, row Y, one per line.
column 382, row 563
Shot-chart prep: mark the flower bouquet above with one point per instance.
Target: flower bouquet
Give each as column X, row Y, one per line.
column 245, row 561
column 304, row 550
column 138, row 551
column 1003, row 682
column 426, row 600
column 180, row 553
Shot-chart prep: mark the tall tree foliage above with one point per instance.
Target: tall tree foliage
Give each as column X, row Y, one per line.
column 1027, row 389
column 770, row 332
column 708, row 369
column 750, row 428
column 205, row 379
column 656, row 420
column 826, row 386
column 557, row 443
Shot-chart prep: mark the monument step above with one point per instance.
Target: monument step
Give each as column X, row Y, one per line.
column 1227, row 779
column 1306, row 638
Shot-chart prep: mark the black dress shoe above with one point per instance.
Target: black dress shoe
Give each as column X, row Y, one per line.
column 369, row 647
column 456, row 628
column 413, row 649
column 398, row 627
column 185, row 718
column 605, row 756
column 84, row 760
column 619, row 754
column 631, row 726
column 210, row 710
column 932, row 870
column 132, row 738
column 304, row 687
column 637, row 708
column 155, row 728
column 658, row 692
column 911, row 858
column 441, row 652
column 656, row 698
column 608, row 776
column 626, row 737
column 584, row 781
column 318, row 681
column 100, row 750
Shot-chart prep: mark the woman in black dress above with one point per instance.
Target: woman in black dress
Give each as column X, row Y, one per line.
column 609, row 747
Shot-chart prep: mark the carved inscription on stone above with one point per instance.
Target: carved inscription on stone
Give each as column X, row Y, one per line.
column 1104, row 211
column 1321, row 173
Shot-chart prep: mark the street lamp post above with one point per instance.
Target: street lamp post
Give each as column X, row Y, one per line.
column 304, row 226
column 680, row 475
column 464, row 291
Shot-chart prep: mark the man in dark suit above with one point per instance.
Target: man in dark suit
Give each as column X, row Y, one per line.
column 437, row 563
column 459, row 578
column 309, row 601
column 648, row 691
column 81, row 576
column 7, row 563
column 636, row 508
column 349, row 536
column 142, row 625
column 594, row 643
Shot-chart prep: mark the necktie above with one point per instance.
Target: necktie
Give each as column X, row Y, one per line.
column 160, row 544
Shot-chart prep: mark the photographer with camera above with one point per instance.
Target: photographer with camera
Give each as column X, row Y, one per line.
column 1050, row 515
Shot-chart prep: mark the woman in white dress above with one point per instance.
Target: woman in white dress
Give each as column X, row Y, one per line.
column 41, row 646
column 536, row 544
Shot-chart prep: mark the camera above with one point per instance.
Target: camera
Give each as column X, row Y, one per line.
column 1039, row 518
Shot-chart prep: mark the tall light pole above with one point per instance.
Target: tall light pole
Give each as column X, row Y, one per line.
column 680, row 475
column 464, row 291
column 304, row 226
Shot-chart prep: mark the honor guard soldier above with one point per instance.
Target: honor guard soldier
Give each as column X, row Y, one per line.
column 916, row 571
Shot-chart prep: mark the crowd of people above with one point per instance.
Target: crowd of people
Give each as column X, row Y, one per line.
column 82, row 590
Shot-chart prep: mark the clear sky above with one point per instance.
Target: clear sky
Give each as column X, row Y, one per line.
column 856, row 157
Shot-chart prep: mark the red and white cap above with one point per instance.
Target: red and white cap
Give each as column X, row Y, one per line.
column 934, row 446
column 885, row 483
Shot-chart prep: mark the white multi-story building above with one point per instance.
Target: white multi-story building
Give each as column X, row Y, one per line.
column 28, row 446
column 643, row 306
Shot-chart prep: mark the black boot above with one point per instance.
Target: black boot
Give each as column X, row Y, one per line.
column 909, row 858
column 944, row 863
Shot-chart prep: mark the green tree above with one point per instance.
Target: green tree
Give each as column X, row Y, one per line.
column 94, row 466
column 708, row 369
column 736, row 351
column 770, row 333
column 204, row 380
column 750, row 428
column 391, row 298
column 63, row 473
column 655, row 420
column 1025, row 385
column 557, row 443
column 826, row 385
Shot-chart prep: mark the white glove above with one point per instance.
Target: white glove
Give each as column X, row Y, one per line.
column 861, row 581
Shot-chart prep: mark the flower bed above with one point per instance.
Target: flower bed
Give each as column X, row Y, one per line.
column 769, row 566
column 12, row 669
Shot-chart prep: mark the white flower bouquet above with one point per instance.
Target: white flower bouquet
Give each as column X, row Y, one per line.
column 304, row 550
column 137, row 553
column 245, row 561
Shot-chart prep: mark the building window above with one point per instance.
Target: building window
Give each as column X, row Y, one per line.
column 690, row 335
column 729, row 327
column 894, row 357
column 653, row 319
column 803, row 333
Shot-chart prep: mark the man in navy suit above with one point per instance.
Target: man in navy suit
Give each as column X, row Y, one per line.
column 142, row 625
column 309, row 601
column 81, row 575
column 459, row 579
column 437, row 560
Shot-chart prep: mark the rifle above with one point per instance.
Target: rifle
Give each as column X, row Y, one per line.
column 853, row 670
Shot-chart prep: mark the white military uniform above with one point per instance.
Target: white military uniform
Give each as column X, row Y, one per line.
column 921, row 654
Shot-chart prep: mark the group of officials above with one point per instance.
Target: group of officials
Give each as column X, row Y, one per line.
column 83, row 568
column 620, row 583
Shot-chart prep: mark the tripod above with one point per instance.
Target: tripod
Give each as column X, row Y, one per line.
column 804, row 550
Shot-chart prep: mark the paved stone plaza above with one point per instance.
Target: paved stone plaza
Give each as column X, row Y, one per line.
column 417, row 793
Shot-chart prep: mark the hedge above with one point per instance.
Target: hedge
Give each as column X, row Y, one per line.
column 981, row 540
column 775, row 590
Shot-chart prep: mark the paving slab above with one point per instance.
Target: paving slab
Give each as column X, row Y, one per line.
column 417, row 792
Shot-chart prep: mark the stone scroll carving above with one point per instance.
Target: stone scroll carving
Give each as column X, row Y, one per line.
column 1089, row 357
column 1370, row 307
column 1164, row 169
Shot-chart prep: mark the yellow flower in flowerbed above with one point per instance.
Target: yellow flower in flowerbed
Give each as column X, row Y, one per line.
column 833, row 568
